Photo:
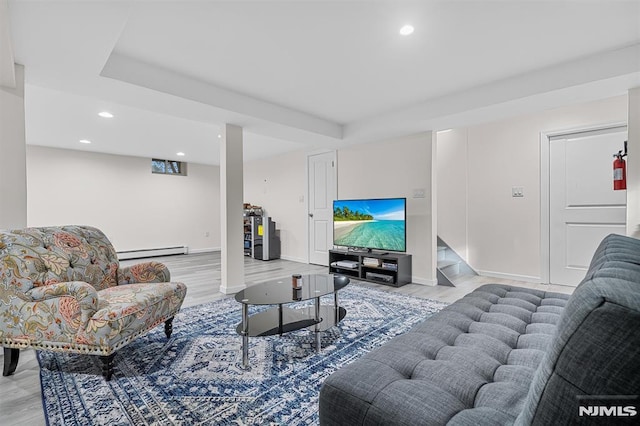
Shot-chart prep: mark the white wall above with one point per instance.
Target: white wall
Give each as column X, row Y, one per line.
column 134, row 208
column 452, row 189
column 477, row 166
column 278, row 184
column 13, row 175
column 394, row 168
column 503, row 233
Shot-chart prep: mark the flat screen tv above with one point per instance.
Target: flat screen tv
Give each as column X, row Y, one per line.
column 373, row 224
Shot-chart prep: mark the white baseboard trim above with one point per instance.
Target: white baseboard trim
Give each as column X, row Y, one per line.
column 515, row 277
column 232, row 290
column 424, row 281
column 204, row 250
column 295, row 259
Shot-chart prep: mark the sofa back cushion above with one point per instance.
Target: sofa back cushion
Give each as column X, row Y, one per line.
column 596, row 348
column 34, row 257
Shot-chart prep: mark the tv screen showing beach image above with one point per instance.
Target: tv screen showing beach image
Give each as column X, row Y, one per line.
column 376, row 224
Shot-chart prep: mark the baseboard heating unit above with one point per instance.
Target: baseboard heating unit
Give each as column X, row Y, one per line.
column 162, row 251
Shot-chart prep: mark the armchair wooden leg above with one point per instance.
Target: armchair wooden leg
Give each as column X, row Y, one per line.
column 107, row 366
column 168, row 327
column 11, row 356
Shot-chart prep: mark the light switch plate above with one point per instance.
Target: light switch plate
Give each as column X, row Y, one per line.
column 419, row 193
column 517, row 192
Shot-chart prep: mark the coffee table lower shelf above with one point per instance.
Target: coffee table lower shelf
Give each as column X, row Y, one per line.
column 269, row 323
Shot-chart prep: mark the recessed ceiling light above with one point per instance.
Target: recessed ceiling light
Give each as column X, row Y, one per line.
column 105, row 114
column 180, row 154
column 219, row 136
column 85, row 141
column 406, row 30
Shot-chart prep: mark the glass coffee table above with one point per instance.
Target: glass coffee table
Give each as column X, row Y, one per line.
column 282, row 319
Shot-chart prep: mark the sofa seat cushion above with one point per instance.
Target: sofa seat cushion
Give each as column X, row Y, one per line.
column 127, row 311
column 470, row 363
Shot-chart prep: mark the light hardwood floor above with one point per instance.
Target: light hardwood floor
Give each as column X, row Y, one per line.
column 20, row 395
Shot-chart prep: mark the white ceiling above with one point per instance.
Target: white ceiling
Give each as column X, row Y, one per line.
column 306, row 74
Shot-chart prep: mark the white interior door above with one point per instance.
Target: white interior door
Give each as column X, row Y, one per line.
column 322, row 191
column 583, row 207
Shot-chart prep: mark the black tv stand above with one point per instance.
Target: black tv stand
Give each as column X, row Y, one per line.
column 384, row 268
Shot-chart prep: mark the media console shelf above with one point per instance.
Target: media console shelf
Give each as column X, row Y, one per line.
column 389, row 268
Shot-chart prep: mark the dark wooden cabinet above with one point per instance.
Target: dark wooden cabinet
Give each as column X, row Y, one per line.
column 392, row 269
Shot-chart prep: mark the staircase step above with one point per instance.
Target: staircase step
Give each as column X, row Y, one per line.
column 449, row 267
column 447, row 262
column 450, row 264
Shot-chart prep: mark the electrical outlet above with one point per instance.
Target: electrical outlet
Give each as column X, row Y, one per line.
column 419, row 193
column 517, row 192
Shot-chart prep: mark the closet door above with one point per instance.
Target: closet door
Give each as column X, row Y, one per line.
column 583, row 207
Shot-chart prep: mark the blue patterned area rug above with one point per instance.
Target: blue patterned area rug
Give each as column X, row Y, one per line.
column 196, row 376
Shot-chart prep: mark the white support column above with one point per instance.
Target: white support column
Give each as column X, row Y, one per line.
column 13, row 155
column 633, row 164
column 432, row 278
column 231, row 199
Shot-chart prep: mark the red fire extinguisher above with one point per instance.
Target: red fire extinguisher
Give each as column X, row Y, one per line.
column 620, row 170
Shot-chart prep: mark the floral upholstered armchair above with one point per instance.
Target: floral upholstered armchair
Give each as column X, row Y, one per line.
column 62, row 289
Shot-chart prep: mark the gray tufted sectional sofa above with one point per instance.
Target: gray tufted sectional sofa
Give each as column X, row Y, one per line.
column 506, row 355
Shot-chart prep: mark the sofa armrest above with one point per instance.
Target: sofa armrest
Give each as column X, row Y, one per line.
column 146, row 272
column 84, row 293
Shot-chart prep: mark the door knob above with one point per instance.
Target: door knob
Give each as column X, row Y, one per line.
column 310, row 214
